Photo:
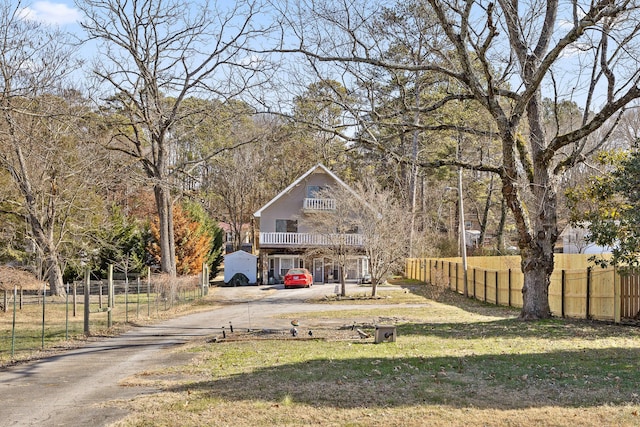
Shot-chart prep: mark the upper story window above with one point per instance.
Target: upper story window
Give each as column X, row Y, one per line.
column 286, row 226
column 316, row 199
column 316, row 191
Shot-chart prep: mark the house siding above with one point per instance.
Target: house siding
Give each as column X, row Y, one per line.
column 290, row 205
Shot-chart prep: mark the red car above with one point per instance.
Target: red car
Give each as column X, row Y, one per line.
column 298, row 277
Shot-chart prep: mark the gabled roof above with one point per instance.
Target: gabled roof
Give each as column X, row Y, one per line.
column 239, row 254
column 298, row 181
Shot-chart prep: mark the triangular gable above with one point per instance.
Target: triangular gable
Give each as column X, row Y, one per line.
column 298, row 181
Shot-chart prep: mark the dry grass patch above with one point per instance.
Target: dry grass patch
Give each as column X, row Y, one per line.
column 469, row 364
column 245, row 414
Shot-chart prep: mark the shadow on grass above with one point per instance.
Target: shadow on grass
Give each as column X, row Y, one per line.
column 515, row 328
column 577, row 378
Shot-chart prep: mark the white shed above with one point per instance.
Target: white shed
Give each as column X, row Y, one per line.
column 241, row 262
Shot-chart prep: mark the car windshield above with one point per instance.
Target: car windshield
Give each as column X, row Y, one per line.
column 296, row 271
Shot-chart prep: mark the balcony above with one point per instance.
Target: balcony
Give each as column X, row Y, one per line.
column 312, row 205
column 308, row 239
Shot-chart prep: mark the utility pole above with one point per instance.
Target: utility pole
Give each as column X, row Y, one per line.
column 463, row 237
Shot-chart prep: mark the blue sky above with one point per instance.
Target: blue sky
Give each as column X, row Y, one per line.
column 62, row 13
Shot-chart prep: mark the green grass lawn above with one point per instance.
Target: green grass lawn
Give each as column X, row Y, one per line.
column 455, row 362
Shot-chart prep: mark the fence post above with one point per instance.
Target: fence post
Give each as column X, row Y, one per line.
column 497, row 288
column 509, row 288
column 138, row 301
column 588, row 305
column 44, row 304
column 110, row 296
column 87, row 283
column 148, row 291
column 13, row 326
column 126, row 299
column 205, row 278
column 75, row 299
column 616, row 296
column 66, row 314
column 485, row 285
column 562, row 288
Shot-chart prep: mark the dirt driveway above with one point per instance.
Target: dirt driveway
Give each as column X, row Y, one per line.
column 69, row 388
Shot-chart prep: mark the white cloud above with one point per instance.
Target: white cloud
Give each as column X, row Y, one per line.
column 51, row 13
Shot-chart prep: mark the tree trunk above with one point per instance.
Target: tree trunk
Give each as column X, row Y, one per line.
column 343, row 281
column 500, row 246
column 537, row 267
column 538, row 224
column 537, row 231
column 42, row 231
column 537, row 258
column 485, row 214
column 167, row 242
column 50, row 262
column 54, row 275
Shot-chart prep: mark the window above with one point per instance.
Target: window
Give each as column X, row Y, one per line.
column 286, row 226
column 352, row 269
column 285, row 265
column 314, row 191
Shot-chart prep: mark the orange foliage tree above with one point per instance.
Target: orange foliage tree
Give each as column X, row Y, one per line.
column 193, row 243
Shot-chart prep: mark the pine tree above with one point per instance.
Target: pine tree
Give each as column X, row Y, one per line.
column 195, row 236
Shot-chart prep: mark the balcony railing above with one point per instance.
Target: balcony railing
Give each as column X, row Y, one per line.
column 309, row 239
column 319, row 204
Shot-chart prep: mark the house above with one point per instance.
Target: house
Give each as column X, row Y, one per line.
column 230, row 237
column 286, row 240
column 576, row 240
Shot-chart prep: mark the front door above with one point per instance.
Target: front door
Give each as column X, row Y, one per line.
column 318, row 270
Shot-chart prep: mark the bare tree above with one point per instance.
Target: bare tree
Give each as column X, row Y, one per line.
column 366, row 221
column 37, row 134
column 499, row 58
column 338, row 231
column 385, row 227
column 235, row 185
column 154, row 55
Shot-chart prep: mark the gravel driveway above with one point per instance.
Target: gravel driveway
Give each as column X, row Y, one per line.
column 68, row 389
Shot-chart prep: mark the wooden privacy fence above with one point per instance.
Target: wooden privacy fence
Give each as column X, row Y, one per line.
column 577, row 289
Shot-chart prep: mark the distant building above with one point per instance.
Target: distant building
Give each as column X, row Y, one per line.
column 575, row 240
column 245, row 237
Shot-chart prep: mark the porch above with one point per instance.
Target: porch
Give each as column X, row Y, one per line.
column 313, row 205
column 279, row 239
column 324, row 270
